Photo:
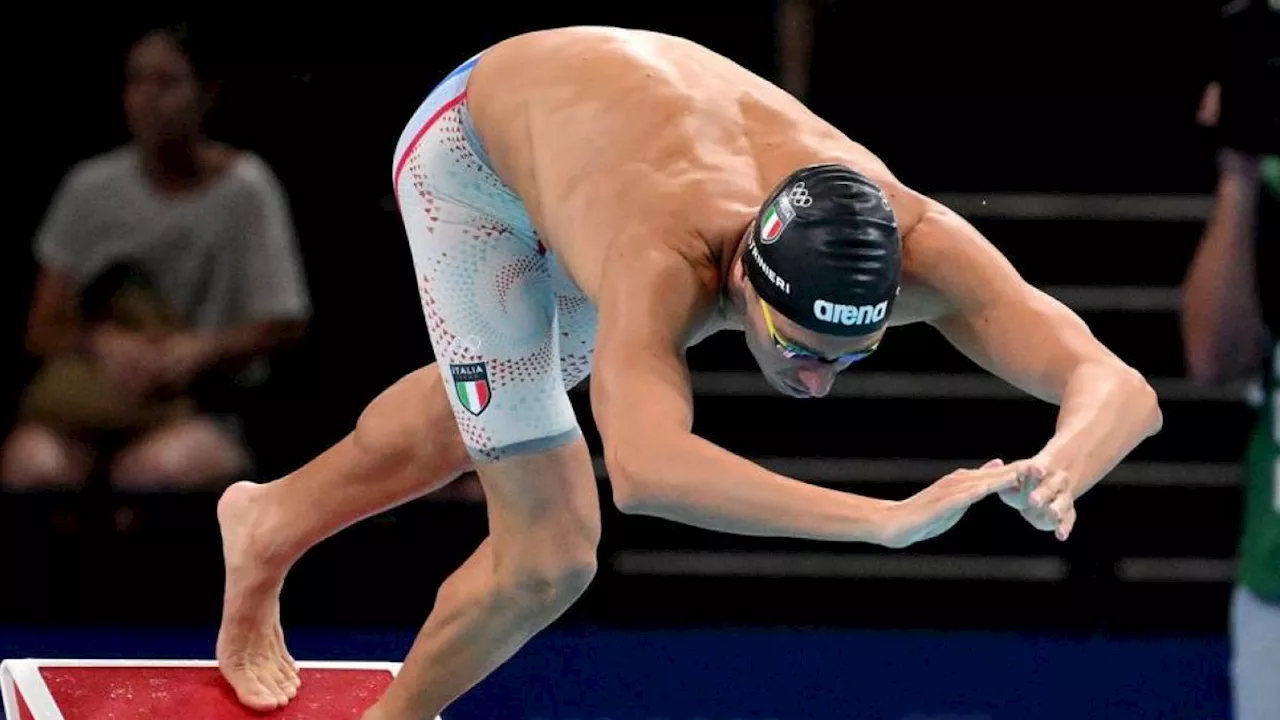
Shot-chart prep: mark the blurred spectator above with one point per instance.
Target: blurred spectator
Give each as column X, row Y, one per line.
column 1231, row 316
column 795, row 44
column 167, row 271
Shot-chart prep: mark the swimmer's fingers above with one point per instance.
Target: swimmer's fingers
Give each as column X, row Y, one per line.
column 1068, row 522
column 1031, row 473
column 937, row 508
column 1055, row 484
column 1063, row 511
column 1039, row 519
column 1001, row 480
column 969, row 486
column 962, row 488
column 1050, row 506
column 996, row 477
column 1014, row 478
column 1017, row 497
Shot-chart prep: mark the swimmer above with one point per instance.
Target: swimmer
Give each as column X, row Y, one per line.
column 593, row 201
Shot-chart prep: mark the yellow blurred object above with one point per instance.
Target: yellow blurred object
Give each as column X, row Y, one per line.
column 72, row 394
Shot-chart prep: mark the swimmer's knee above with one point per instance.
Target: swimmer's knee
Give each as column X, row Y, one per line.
column 549, row 561
column 544, row 524
column 552, row 579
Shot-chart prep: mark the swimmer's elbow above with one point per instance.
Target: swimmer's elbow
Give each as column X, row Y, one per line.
column 1151, row 405
column 632, row 469
column 636, row 473
column 1143, row 398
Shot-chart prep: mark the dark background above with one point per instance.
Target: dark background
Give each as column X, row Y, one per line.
column 1053, row 99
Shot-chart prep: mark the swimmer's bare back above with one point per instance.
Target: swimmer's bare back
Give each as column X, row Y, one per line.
column 612, row 135
column 642, row 158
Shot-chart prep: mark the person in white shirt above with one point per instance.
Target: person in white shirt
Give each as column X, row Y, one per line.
column 207, row 230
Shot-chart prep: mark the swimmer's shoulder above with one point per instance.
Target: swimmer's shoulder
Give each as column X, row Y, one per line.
column 939, row 253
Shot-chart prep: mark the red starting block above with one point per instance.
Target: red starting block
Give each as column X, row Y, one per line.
column 177, row 689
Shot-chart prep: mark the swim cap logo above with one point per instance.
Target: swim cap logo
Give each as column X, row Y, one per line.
column 838, row 314
column 799, row 195
column 777, row 217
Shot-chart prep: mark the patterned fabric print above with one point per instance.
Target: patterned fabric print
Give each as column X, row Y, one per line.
column 494, row 303
column 577, row 317
column 453, row 139
column 460, row 176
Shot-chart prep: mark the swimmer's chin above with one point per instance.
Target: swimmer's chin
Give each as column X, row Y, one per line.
column 788, row 389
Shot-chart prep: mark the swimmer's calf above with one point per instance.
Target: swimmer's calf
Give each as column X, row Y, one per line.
column 404, row 445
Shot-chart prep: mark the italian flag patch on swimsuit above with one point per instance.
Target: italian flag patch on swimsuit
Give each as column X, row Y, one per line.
column 471, row 382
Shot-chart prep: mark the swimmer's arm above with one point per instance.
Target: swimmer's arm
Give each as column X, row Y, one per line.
column 1015, row 331
column 643, row 407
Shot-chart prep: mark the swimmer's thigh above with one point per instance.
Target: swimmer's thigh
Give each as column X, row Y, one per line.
column 491, row 308
column 410, row 425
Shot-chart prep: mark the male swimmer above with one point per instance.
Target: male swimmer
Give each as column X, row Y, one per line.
column 595, row 201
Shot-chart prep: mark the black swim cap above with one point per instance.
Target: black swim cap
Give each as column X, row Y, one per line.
column 826, row 251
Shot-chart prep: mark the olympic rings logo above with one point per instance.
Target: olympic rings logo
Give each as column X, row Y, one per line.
column 799, row 195
column 464, row 349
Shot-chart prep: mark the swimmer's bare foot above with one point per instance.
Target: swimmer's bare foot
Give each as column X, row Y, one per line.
column 251, row 651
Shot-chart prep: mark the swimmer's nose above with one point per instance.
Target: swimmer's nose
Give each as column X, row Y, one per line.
column 816, row 382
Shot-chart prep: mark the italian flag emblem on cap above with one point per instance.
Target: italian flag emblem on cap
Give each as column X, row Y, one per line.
column 771, row 228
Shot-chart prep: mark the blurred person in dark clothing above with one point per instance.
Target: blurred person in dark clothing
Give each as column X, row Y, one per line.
column 1242, row 99
column 166, row 267
column 795, row 27
column 1231, row 315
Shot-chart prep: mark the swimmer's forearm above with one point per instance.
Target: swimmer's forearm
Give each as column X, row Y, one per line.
column 1107, row 409
column 692, row 481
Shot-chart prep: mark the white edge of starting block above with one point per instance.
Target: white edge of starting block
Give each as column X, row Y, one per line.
column 23, row 676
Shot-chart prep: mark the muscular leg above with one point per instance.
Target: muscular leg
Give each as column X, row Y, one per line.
column 544, row 525
column 36, row 458
column 185, row 454
column 405, row 445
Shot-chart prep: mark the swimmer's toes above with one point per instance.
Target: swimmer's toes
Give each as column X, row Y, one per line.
column 270, row 676
column 253, row 692
column 288, row 666
column 291, row 678
column 283, row 681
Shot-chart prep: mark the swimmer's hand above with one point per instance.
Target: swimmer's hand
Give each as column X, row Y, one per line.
column 937, row 508
column 1043, row 497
